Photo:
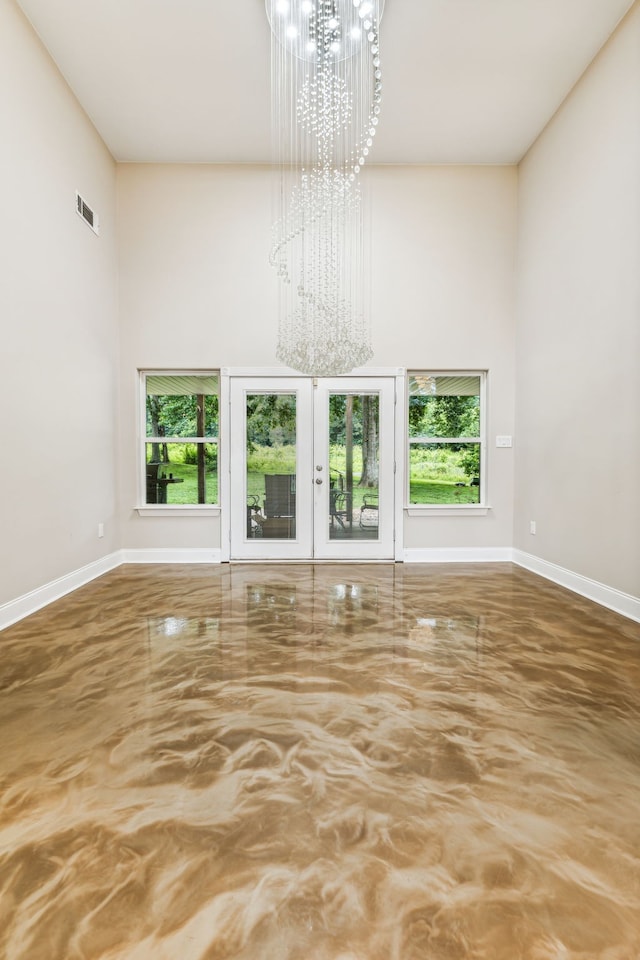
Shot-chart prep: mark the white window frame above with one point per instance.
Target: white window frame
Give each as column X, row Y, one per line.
column 143, row 508
column 450, row 509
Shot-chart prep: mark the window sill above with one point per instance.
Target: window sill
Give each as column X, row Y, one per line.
column 448, row 510
column 178, row 510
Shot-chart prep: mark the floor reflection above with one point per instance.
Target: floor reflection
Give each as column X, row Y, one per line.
column 320, row 763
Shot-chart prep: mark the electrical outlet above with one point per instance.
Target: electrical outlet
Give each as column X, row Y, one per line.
column 532, row 526
column 504, row 441
column 100, row 530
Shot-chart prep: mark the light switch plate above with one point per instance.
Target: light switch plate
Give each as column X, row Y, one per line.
column 504, row 442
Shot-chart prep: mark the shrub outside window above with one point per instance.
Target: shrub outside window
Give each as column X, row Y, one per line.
column 446, row 445
column 181, row 438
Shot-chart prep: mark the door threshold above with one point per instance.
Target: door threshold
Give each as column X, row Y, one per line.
column 309, row 560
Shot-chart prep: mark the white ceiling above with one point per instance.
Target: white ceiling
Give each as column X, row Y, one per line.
column 465, row 81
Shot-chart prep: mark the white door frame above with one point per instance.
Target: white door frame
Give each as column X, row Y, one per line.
column 400, row 445
column 324, row 547
column 299, row 547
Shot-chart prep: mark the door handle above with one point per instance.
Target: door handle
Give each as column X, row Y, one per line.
column 319, row 480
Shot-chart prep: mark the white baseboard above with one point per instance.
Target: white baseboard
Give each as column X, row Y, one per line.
column 616, row 600
column 457, row 554
column 28, row 603
column 172, row 555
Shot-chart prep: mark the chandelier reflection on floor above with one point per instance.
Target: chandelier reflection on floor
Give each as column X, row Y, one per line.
column 326, row 88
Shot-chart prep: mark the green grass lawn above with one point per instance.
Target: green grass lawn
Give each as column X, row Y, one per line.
column 430, row 492
column 187, row 491
column 422, row 491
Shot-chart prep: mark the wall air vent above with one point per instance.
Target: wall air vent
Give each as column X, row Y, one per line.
column 89, row 216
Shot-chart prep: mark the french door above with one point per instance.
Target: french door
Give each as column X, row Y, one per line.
column 312, row 468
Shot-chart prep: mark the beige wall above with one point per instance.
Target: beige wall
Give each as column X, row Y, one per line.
column 58, row 315
column 443, row 298
column 578, row 349
column 196, row 291
column 185, row 283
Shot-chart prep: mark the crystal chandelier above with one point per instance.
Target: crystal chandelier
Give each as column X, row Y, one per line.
column 326, row 88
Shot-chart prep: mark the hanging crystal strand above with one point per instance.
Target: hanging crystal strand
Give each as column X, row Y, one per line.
column 326, row 93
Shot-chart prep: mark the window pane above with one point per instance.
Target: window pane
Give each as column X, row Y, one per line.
column 181, row 473
column 444, row 406
column 447, row 473
column 182, row 406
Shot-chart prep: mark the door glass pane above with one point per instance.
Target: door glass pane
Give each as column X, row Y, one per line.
column 271, row 466
column 354, row 430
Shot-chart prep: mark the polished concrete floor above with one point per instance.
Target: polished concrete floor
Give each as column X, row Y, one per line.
column 299, row 762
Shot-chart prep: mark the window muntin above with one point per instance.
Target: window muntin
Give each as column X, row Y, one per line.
column 181, row 413
column 446, row 443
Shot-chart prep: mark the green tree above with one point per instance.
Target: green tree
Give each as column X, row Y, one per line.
column 338, row 419
column 470, row 460
column 177, row 416
column 370, row 439
column 271, row 420
column 456, row 416
column 159, row 453
column 444, row 416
